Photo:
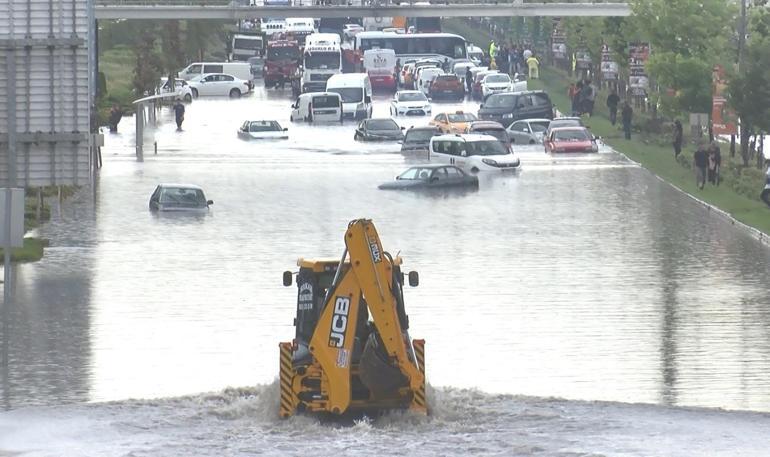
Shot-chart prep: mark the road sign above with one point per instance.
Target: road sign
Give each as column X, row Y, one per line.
column 16, row 220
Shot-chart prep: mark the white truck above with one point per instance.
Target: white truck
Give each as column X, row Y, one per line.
column 322, row 59
column 246, row 46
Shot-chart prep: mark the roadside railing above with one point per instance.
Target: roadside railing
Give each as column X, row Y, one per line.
column 374, row 3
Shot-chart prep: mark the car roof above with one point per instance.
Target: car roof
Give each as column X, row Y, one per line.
column 534, row 119
column 409, row 92
column 311, row 94
column 574, row 127
column 185, row 186
column 432, row 166
column 465, row 137
column 423, row 127
column 486, row 125
column 568, row 118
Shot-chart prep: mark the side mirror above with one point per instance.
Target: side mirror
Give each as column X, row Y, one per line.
column 414, row 279
column 367, row 99
column 285, row 129
column 210, row 202
column 481, row 106
column 287, row 278
column 402, row 128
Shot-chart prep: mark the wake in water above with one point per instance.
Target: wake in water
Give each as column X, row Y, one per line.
column 244, row 421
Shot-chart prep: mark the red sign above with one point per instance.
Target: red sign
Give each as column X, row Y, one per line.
column 722, row 117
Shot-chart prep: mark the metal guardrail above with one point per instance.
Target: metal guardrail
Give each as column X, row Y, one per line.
column 354, row 3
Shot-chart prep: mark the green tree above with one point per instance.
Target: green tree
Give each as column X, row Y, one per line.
column 149, row 66
column 173, row 53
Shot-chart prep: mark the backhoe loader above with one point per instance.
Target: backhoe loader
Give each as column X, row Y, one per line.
column 352, row 352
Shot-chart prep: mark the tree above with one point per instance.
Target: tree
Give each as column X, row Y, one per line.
column 149, row 66
column 173, row 54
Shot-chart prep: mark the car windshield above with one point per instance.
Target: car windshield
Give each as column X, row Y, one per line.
column 419, row 135
column 322, row 60
column 412, row 97
column 283, row 53
column 500, row 101
column 500, row 78
column 497, row 133
column 485, row 148
column 348, row 94
column 182, row 196
column 416, row 173
column 571, row 135
column 264, row 126
column 245, row 43
column 326, row 101
column 540, row 126
column 462, row 117
column 382, row 124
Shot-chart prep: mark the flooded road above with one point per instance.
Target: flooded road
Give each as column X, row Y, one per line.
column 581, row 278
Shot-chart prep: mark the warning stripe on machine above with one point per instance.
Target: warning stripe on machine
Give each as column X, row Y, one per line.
column 419, row 353
column 286, row 375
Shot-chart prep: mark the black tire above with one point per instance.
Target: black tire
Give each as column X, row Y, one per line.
column 188, row 98
column 474, row 170
column 194, row 93
column 235, row 93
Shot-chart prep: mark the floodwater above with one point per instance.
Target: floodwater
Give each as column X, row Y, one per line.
column 577, row 307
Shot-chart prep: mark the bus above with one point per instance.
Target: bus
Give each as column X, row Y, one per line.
column 440, row 45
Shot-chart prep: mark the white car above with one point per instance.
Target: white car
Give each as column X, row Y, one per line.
column 181, row 89
column 262, row 130
column 351, row 30
column 425, row 77
column 410, row 103
column 495, row 83
column 528, row 131
column 218, row 84
column 473, row 152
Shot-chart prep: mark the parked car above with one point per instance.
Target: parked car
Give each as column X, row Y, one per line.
column 263, row 130
column 570, row 139
column 417, row 139
column 455, row 122
column 432, row 177
column 508, row 107
column 490, row 128
column 219, row 84
column 351, row 30
column 447, row 86
column 378, row 130
column 473, row 153
column 566, row 121
column 495, row 83
column 181, row 89
column 410, row 103
column 179, row 197
column 528, row 131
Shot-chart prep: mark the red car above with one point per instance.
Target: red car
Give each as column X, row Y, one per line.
column 447, row 86
column 570, row 139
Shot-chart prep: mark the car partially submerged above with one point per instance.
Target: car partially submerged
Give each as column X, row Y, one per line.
column 570, row 139
column 432, row 177
column 262, row 130
column 379, row 130
column 179, row 197
column 417, row 139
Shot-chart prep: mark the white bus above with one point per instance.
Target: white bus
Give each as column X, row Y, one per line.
column 438, row 45
column 322, row 59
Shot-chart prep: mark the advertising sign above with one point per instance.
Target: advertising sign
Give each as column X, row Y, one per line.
column 558, row 41
column 609, row 67
column 722, row 117
column 638, row 81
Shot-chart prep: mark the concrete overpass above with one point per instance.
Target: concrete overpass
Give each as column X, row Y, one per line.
column 148, row 9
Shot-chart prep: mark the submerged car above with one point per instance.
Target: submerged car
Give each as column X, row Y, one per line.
column 179, row 197
column 473, row 152
column 378, row 130
column 432, row 177
column 528, row 131
column 455, row 122
column 263, row 130
column 447, row 87
column 559, row 122
column 410, row 103
column 570, row 139
column 490, row 128
column 417, row 139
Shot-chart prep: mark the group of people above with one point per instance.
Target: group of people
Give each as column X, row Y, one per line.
column 582, row 95
column 708, row 160
column 510, row 58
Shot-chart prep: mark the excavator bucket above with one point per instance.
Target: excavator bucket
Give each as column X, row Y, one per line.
column 352, row 351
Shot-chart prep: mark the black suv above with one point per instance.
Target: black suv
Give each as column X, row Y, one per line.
column 508, row 107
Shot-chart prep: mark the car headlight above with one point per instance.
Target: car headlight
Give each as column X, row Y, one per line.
column 489, row 162
column 508, row 116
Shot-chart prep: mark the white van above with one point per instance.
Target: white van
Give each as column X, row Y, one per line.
column 425, row 78
column 356, row 92
column 380, row 65
column 472, row 152
column 317, row 107
column 241, row 70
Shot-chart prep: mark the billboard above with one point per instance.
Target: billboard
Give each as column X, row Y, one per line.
column 558, row 41
column 638, row 81
column 723, row 119
column 609, row 68
column 45, row 96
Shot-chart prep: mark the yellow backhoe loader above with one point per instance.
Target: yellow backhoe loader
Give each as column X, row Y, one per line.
column 352, row 351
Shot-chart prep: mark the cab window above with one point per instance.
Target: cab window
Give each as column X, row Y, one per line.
column 195, row 69
column 439, row 173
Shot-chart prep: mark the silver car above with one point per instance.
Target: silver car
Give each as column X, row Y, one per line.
column 528, row 131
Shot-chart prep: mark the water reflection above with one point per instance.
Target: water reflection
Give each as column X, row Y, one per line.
column 579, row 277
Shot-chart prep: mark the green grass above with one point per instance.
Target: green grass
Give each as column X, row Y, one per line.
column 117, row 64
column 655, row 153
column 31, row 252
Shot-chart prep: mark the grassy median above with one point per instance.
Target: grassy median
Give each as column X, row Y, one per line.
column 32, row 251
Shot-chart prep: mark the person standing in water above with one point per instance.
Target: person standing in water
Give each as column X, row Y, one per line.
column 179, row 113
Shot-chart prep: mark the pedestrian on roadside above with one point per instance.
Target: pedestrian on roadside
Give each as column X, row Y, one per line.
column 179, row 113
column 678, row 138
column 533, row 66
column 612, row 104
column 577, row 101
column 715, row 163
column 468, row 80
column 765, row 195
column 116, row 114
column 701, row 161
column 590, row 98
column 626, row 116
column 584, row 96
